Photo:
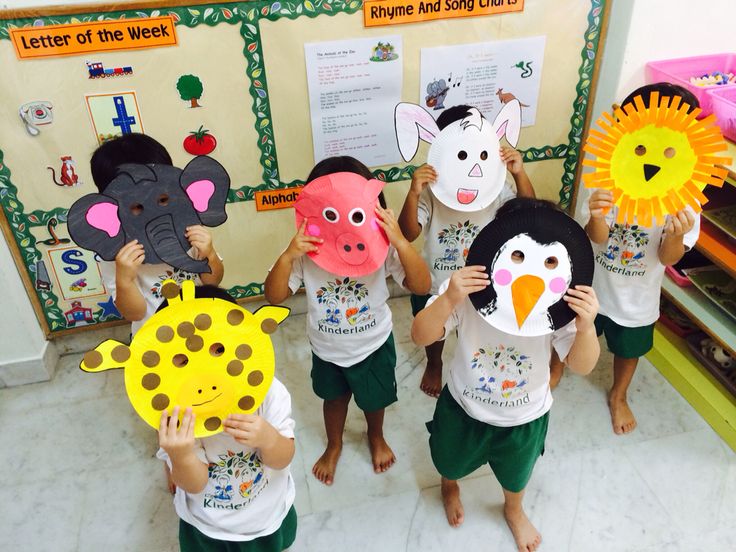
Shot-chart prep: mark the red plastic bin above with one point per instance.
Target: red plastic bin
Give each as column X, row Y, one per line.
column 679, row 71
column 724, row 106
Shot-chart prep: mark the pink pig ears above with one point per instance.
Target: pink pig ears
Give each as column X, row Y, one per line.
column 200, row 192
column 104, row 216
column 374, row 187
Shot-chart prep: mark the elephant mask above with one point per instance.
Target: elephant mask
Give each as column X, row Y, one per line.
column 153, row 204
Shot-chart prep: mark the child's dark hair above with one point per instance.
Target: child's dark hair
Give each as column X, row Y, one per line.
column 517, row 203
column 452, row 114
column 205, row 292
column 343, row 163
column 129, row 148
column 665, row 90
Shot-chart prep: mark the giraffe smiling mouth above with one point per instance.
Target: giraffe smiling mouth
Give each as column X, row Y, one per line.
column 209, row 401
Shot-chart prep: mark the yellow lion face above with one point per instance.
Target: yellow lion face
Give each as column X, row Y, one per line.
column 655, row 160
column 206, row 354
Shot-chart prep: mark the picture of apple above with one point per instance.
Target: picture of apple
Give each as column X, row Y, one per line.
column 200, row 142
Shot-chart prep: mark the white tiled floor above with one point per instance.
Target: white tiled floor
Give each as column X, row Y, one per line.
column 79, row 473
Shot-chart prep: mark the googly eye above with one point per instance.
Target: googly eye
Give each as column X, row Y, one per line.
column 517, row 256
column 462, row 155
column 330, row 214
column 356, row 216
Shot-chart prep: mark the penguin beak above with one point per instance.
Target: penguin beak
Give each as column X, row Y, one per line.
column 525, row 293
column 650, row 171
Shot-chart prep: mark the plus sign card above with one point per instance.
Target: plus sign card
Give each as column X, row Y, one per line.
column 114, row 114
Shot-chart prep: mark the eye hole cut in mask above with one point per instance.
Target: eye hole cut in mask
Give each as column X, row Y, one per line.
column 533, row 255
column 465, row 153
column 655, row 160
column 206, row 354
column 340, row 209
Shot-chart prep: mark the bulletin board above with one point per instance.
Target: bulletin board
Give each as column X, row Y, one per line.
column 249, row 59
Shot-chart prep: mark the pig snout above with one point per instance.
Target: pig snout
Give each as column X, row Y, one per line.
column 352, row 248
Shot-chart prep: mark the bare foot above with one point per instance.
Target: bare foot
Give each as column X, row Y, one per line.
column 432, row 379
column 525, row 534
column 451, row 501
column 622, row 417
column 324, row 468
column 381, row 454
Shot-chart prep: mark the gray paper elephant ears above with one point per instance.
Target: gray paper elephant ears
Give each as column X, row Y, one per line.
column 207, row 184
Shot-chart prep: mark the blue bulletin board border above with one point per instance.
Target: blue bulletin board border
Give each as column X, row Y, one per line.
column 248, row 16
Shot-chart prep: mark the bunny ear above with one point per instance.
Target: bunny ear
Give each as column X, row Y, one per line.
column 508, row 122
column 413, row 123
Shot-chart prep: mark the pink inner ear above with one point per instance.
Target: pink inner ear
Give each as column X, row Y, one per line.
column 501, row 130
column 104, row 216
column 200, row 192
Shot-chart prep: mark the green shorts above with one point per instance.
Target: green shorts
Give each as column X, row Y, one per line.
column 372, row 381
column 192, row 539
column 625, row 342
column 418, row 302
column 460, row 445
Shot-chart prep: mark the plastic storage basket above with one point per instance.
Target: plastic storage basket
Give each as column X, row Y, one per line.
column 724, row 107
column 679, row 71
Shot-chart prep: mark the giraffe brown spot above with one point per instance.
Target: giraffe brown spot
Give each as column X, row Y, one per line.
column 165, row 334
column 243, row 351
column 121, row 353
column 212, row 423
column 235, row 317
column 235, row 368
column 246, row 403
column 255, row 378
column 92, row 359
column 150, row 359
column 203, row 321
column 269, row 325
column 160, row 401
column 151, row 381
column 170, row 290
column 195, row 343
column 185, row 329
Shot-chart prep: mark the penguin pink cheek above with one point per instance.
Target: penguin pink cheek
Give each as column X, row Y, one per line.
column 557, row 285
column 313, row 230
column 502, row 277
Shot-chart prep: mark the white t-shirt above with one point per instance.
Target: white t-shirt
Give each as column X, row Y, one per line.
column 149, row 281
column 628, row 274
column 448, row 233
column 243, row 498
column 347, row 318
column 498, row 378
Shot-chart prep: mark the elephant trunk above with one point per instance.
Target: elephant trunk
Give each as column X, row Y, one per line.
column 163, row 238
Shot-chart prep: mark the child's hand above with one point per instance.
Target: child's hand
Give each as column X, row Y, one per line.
column 251, row 430
column 512, row 159
column 176, row 442
column 600, row 203
column 423, row 176
column 584, row 303
column 128, row 259
column 465, row 281
column 679, row 224
column 387, row 220
column 201, row 239
column 301, row 244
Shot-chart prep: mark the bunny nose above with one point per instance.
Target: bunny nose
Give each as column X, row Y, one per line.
column 351, row 249
column 476, row 171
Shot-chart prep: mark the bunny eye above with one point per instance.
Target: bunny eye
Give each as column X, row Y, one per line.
column 483, row 155
column 330, row 214
column 462, row 155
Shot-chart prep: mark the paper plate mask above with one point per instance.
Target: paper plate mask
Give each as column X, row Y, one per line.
column 153, row 204
column 464, row 153
column 207, row 354
column 655, row 160
column 340, row 209
column 533, row 255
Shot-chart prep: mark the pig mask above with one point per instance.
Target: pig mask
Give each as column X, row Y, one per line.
column 340, row 209
column 465, row 154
